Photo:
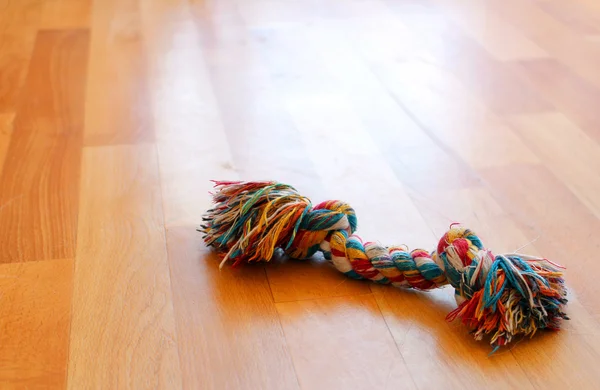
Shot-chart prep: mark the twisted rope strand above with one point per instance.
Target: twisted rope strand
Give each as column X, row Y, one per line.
column 498, row 295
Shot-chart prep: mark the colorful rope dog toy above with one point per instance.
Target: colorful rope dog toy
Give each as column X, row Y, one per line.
column 498, row 295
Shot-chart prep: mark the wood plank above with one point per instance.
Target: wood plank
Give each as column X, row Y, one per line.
column 431, row 36
column 120, row 113
column 547, row 136
column 263, row 13
column 262, row 138
column 575, row 16
column 123, row 331
column 41, row 220
column 499, row 37
column 562, row 44
column 574, row 349
column 571, row 94
column 63, row 14
column 183, row 86
column 343, row 343
column 397, row 136
column 452, row 116
column 230, row 338
column 6, row 129
column 181, row 95
column 218, row 15
column 18, row 23
column 589, row 6
column 34, row 324
column 477, row 209
column 292, row 280
column 595, row 39
column 221, row 95
column 430, row 345
column 485, row 77
column 435, row 92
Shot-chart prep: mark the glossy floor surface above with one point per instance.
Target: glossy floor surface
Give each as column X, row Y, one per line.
column 116, row 114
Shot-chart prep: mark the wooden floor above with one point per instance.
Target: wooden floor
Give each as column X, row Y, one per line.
column 116, row 114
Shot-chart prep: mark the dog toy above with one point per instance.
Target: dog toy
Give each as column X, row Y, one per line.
column 502, row 296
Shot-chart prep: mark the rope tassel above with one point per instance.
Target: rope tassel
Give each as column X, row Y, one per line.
column 501, row 296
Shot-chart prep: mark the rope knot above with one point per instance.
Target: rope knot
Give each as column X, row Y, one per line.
column 318, row 223
column 502, row 295
column 465, row 260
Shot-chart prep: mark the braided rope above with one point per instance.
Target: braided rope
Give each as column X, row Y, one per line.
column 500, row 295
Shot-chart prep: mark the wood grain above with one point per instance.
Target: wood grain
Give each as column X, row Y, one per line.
column 571, row 94
column 40, row 192
column 18, row 20
column 35, row 315
column 496, row 35
column 293, row 280
column 590, row 7
column 451, row 115
column 117, row 102
column 353, row 346
column 397, row 136
column 429, row 344
column 187, row 120
column 64, row 14
column 6, row 128
column 123, row 330
column 576, row 16
column 230, row 313
column 437, row 88
column 432, row 37
column 575, row 348
column 239, row 77
column 476, row 207
column 490, row 80
column 553, row 138
column 561, row 43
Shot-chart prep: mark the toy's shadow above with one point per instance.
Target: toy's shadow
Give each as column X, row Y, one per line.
column 305, row 290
